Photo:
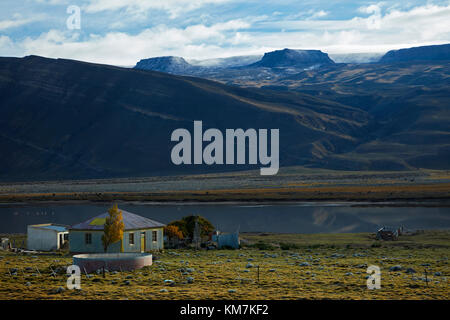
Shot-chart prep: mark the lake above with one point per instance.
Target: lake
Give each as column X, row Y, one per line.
column 298, row 217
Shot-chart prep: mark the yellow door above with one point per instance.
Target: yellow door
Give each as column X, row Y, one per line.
column 143, row 242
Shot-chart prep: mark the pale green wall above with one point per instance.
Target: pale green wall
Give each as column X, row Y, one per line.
column 149, row 244
column 77, row 242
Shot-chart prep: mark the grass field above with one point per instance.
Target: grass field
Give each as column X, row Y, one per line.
column 321, row 266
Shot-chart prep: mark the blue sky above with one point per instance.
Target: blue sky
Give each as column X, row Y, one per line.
column 122, row 32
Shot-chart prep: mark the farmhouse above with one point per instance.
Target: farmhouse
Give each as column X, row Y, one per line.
column 140, row 235
column 46, row 237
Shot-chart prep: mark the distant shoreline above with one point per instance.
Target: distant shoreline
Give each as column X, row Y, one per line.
column 412, row 195
column 292, row 184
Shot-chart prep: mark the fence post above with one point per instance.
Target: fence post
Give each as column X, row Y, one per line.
column 258, row 274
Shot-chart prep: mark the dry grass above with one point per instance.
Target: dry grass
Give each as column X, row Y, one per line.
column 215, row 272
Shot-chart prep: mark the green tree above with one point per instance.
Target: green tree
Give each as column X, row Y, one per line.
column 113, row 227
column 187, row 224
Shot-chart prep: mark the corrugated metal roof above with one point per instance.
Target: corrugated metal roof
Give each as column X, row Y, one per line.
column 130, row 220
column 51, row 226
column 56, row 228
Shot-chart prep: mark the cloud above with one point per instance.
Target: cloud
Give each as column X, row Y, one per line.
column 375, row 28
column 396, row 28
column 374, row 21
column 197, row 41
column 140, row 7
column 319, row 14
column 8, row 47
column 16, row 21
column 53, row 2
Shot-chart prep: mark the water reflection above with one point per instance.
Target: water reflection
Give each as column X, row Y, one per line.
column 285, row 218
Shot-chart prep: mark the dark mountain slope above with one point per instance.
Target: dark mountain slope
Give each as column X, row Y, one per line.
column 424, row 53
column 409, row 103
column 63, row 119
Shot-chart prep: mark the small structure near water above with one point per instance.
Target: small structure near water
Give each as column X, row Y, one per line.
column 5, row 244
column 112, row 261
column 228, row 240
column 389, row 233
column 46, row 237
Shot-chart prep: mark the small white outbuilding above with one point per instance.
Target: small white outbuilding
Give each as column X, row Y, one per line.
column 46, row 237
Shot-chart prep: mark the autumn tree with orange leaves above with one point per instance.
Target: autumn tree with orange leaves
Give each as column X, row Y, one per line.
column 173, row 232
column 113, row 228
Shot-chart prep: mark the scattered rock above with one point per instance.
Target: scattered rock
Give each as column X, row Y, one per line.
column 359, row 255
column 395, row 268
column 272, row 270
column 163, row 290
column 304, row 264
column 232, row 291
column 410, row 270
column 190, row 280
column 249, row 265
column 437, row 274
column 169, row 283
column 127, row 282
column 58, row 290
column 349, row 274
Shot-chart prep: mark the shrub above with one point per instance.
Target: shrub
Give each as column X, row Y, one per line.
column 262, row 246
column 288, row 246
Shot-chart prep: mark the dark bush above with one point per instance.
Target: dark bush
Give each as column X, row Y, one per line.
column 262, row 246
column 288, row 246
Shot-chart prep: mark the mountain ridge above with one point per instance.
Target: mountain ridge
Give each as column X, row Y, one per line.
column 422, row 53
column 293, row 58
column 65, row 119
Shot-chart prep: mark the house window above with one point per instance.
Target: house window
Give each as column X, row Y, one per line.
column 88, row 238
column 154, row 236
column 131, row 238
